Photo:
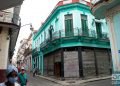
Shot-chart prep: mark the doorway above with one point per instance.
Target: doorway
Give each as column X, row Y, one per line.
column 98, row 30
column 57, row 69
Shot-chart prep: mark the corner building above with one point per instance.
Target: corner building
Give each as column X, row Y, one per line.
column 72, row 43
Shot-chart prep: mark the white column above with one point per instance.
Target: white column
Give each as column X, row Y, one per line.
column 4, row 47
column 114, row 28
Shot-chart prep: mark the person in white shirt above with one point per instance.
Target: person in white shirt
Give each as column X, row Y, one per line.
column 12, row 76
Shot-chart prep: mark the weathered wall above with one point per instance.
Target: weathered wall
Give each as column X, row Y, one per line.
column 88, row 62
column 71, row 64
column 4, row 46
column 49, row 61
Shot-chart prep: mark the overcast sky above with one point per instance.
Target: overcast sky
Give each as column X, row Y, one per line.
column 35, row 12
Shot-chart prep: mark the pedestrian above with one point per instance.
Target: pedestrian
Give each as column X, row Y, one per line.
column 18, row 69
column 11, row 76
column 34, row 72
column 22, row 77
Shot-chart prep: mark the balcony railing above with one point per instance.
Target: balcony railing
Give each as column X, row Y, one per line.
column 76, row 33
column 10, row 17
column 36, row 50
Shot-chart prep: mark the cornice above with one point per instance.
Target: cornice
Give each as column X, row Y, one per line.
column 111, row 12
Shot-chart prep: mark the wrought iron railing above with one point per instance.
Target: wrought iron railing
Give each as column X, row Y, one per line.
column 77, row 32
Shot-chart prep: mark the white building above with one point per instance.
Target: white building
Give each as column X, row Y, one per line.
column 9, row 29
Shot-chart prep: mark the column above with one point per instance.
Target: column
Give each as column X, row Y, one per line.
column 96, row 66
column 62, row 63
column 4, row 49
column 42, row 64
column 39, row 64
column 80, row 62
column 114, row 39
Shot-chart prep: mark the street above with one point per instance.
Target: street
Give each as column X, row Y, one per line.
column 37, row 81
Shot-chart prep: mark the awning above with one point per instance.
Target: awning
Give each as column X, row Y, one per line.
column 5, row 4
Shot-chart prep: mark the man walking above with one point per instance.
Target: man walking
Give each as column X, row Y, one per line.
column 22, row 77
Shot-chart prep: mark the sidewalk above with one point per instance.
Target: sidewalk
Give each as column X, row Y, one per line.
column 73, row 82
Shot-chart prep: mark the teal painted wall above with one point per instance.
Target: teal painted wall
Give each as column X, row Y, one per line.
column 58, row 21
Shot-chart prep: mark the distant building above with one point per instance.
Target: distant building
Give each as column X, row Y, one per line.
column 20, row 54
column 72, row 43
column 24, row 54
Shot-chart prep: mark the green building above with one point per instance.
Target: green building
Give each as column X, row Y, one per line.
column 71, row 43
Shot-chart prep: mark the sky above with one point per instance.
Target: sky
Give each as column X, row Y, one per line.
column 35, row 12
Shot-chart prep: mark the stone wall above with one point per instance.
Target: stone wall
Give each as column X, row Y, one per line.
column 71, row 64
column 88, row 62
column 103, row 62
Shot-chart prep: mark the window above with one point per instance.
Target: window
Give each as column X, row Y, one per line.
column 35, row 44
column 68, row 25
column 44, row 35
column 98, row 29
column 84, row 23
column 56, row 25
column 51, row 32
column 39, row 40
column 41, row 37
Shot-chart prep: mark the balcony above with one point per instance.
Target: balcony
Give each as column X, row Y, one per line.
column 60, row 37
column 36, row 51
column 12, row 22
column 27, row 52
column 5, row 4
column 9, row 17
column 100, row 7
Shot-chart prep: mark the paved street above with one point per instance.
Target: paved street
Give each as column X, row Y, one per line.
column 37, row 81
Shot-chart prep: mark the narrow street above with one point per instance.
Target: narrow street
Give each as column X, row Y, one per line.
column 37, row 81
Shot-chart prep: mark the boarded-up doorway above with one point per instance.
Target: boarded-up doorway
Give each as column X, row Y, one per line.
column 57, row 71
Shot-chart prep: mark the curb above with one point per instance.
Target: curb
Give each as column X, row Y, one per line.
column 67, row 83
column 94, row 79
column 54, row 80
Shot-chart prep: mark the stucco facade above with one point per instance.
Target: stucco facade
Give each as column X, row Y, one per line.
column 9, row 30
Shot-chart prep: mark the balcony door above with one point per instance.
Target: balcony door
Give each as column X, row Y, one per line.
column 84, row 23
column 98, row 30
column 51, row 32
column 68, row 25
